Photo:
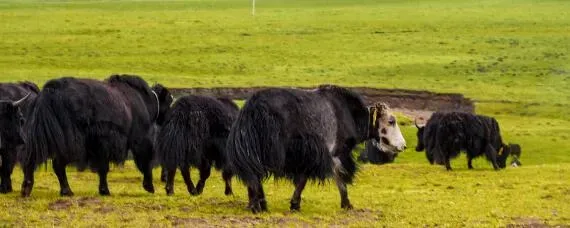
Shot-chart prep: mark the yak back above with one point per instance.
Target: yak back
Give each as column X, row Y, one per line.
column 144, row 105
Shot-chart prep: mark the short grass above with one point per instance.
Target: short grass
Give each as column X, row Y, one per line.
column 510, row 56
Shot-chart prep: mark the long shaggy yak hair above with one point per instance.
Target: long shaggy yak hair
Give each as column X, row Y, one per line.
column 298, row 135
column 194, row 134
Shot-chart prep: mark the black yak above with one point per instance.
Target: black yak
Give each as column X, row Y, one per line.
column 165, row 96
column 375, row 155
column 305, row 135
column 194, row 134
column 91, row 123
column 15, row 99
column 426, row 136
column 446, row 134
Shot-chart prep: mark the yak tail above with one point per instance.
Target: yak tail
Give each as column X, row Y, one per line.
column 182, row 139
column 250, row 146
column 48, row 131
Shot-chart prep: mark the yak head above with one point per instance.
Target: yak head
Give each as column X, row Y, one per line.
column 505, row 151
column 502, row 155
column 385, row 130
column 420, row 134
column 164, row 98
column 11, row 122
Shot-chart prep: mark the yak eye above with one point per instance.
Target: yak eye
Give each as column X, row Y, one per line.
column 392, row 122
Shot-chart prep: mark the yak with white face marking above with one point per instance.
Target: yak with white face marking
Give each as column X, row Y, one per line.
column 302, row 135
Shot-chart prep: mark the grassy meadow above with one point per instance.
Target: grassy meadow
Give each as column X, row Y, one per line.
column 512, row 57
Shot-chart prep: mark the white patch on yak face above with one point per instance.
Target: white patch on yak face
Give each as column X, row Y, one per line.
column 391, row 138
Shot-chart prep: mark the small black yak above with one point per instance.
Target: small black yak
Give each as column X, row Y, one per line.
column 375, row 155
column 194, row 134
column 91, row 123
column 305, row 135
column 15, row 99
column 446, row 134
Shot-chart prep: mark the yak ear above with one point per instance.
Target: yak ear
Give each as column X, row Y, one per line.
column 373, row 116
column 382, row 108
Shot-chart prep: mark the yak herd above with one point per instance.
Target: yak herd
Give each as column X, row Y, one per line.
column 296, row 134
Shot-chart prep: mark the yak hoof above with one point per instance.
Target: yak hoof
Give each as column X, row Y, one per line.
column 295, row 207
column 257, row 207
column 5, row 189
column 66, row 192
column 26, row 192
column 347, row 206
column 169, row 191
column 193, row 192
column 104, row 192
column 228, row 192
column 149, row 188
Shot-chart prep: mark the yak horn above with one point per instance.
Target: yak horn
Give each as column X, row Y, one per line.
column 416, row 123
column 18, row 102
column 157, row 103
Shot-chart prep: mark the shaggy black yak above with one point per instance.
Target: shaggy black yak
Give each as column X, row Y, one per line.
column 91, row 123
column 194, row 134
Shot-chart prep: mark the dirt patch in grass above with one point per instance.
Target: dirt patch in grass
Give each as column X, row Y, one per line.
column 363, row 215
column 395, row 98
column 60, row 204
column 88, row 201
column 126, row 180
column 233, row 221
column 531, row 222
column 64, row 204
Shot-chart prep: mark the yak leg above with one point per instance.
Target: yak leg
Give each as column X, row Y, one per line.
column 59, row 169
column 448, row 163
column 256, row 196
column 142, row 153
column 103, row 171
column 163, row 175
column 185, row 171
column 7, row 166
column 469, row 161
column 205, row 169
column 261, row 198
column 300, row 183
column 492, row 155
column 170, row 173
column 28, row 183
column 344, row 201
column 227, row 175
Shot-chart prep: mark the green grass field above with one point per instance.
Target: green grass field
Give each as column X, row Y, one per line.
column 512, row 57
